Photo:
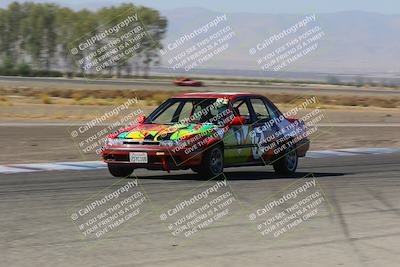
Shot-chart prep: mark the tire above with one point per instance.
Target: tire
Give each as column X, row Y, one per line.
column 287, row 163
column 119, row 170
column 213, row 163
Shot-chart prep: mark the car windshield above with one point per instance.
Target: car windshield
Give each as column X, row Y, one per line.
column 192, row 110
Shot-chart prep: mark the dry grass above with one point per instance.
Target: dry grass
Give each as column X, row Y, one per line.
column 5, row 101
column 349, row 101
column 158, row 98
column 45, row 98
column 155, row 97
column 77, row 96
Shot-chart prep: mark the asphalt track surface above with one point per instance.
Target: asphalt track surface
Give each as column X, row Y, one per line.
column 358, row 225
column 220, row 87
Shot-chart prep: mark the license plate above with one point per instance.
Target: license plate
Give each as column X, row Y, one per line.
column 138, row 157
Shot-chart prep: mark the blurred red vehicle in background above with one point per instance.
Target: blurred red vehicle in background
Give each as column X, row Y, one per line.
column 187, row 82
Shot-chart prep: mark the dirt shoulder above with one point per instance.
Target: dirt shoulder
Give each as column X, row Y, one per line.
column 31, row 144
column 34, row 122
column 24, row 112
column 41, row 133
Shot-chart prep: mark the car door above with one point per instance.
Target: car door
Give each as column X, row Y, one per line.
column 287, row 131
column 237, row 142
column 264, row 129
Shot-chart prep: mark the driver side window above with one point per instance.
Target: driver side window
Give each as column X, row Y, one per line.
column 240, row 108
column 260, row 110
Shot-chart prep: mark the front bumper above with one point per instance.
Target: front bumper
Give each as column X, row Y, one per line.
column 159, row 158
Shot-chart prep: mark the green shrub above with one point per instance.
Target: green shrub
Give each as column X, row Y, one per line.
column 24, row 69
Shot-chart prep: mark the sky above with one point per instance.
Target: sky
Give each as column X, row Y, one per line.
column 257, row 6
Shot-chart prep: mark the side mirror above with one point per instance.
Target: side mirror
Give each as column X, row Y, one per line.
column 141, row 119
column 238, row 121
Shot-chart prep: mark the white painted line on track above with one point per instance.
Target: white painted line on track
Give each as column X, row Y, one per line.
column 95, row 165
column 351, row 152
column 55, row 166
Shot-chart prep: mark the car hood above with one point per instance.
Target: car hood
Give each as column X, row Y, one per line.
column 157, row 132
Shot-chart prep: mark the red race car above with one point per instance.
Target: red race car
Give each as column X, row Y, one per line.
column 207, row 132
column 187, row 82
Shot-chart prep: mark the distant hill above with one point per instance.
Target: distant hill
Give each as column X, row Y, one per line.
column 354, row 42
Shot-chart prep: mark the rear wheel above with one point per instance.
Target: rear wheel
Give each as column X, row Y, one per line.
column 120, row 170
column 212, row 164
column 287, row 164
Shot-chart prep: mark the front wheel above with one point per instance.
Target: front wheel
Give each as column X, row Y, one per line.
column 120, row 170
column 287, row 164
column 213, row 163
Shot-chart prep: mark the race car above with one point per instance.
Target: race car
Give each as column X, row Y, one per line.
column 207, row 132
column 187, row 82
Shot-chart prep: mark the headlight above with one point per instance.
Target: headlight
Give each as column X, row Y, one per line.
column 114, row 142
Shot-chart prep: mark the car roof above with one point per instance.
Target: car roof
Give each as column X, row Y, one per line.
column 214, row 95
